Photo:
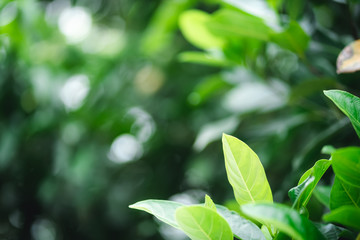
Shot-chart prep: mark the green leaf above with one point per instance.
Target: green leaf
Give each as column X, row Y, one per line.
column 201, row 223
column 296, row 194
column 241, row 227
column 209, row 203
column 204, row 58
column 344, row 194
column 258, row 8
column 346, row 165
column 161, row 209
column 283, row 218
column 293, row 38
column 347, row 215
column 235, row 24
column 245, row 172
column 307, row 183
column 348, row 104
column 193, row 24
column 322, row 193
column 333, row 232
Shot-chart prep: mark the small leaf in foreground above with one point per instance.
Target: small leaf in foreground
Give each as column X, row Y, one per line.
column 245, row 172
column 349, row 58
column 241, row 227
column 283, row 218
column 161, row 209
column 348, row 104
column 347, row 215
column 201, row 223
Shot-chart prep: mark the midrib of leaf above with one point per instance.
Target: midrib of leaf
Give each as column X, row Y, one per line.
column 240, row 173
column 349, row 195
column 199, row 226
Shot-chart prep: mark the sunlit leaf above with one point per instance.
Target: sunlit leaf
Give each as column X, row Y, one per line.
column 347, row 215
column 348, row 104
column 201, row 223
column 193, row 24
column 234, row 24
column 283, row 218
column 241, row 227
column 344, row 194
column 245, row 172
column 162, row 209
column 346, row 165
column 209, row 203
column 349, row 58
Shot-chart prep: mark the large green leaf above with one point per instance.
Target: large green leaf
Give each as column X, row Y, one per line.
column 344, row 194
column 283, row 218
column 293, row 38
column 348, row 104
column 201, row 223
column 245, row 172
column 234, row 24
column 347, row 215
column 303, row 191
column 162, row 209
column 241, row 227
column 346, row 165
column 193, row 24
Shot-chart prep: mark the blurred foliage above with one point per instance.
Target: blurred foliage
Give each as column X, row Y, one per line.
column 102, row 105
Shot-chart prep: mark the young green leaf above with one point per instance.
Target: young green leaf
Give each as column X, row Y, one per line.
column 344, row 194
column 201, row 223
column 322, row 193
column 193, row 25
column 241, row 227
column 348, row 104
column 301, row 194
column 245, row 172
column 296, row 194
column 346, row 165
column 161, row 209
column 283, row 218
column 346, row 215
column 209, row 203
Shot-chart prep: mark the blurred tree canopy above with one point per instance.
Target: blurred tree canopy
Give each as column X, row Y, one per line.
column 104, row 103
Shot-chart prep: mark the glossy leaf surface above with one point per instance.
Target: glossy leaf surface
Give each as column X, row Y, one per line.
column 344, row 194
column 315, row 173
column 161, row 209
column 347, row 215
column 346, row 165
column 283, row 218
column 245, row 172
column 241, row 227
column 348, row 104
column 201, row 223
